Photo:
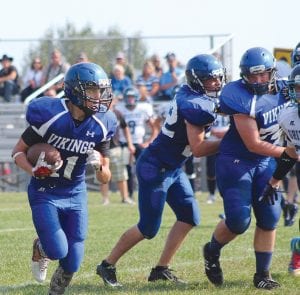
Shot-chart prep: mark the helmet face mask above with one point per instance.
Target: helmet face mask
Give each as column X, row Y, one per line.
column 83, row 79
column 205, row 74
column 89, row 102
column 213, row 86
column 257, row 62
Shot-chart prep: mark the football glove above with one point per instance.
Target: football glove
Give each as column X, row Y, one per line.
column 94, row 159
column 42, row 169
column 270, row 194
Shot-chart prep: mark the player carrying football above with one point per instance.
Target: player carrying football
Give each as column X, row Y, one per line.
column 79, row 127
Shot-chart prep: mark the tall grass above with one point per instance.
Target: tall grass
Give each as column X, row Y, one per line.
column 107, row 223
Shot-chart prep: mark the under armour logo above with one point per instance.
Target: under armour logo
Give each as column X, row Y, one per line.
column 292, row 123
column 91, row 134
column 236, row 161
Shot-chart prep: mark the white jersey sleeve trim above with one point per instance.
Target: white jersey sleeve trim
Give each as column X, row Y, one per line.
column 253, row 105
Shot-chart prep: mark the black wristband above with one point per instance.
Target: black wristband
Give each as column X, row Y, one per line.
column 284, row 165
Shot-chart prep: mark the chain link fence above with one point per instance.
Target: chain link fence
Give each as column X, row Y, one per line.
column 103, row 50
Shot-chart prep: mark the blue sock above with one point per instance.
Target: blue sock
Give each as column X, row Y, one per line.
column 215, row 247
column 263, row 261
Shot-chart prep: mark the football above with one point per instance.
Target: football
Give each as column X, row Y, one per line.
column 52, row 155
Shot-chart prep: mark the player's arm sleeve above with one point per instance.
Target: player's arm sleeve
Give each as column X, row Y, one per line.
column 103, row 148
column 30, row 137
column 35, row 116
column 199, row 115
column 231, row 101
column 112, row 125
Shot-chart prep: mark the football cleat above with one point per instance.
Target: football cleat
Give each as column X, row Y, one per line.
column 108, row 274
column 294, row 266
column 39, row 263
column 211, row 199
column 59, row 281
column 264, row 281
column 163, row 273
column 213, row 270
column 128, row 201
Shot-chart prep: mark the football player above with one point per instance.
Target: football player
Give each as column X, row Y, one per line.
column 79, row 127
column 245, row 163
column 295, row 55
column 138, row 116
column 160, row 175
column 289, row 121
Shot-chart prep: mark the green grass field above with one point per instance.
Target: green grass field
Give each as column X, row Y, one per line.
column 107, row 223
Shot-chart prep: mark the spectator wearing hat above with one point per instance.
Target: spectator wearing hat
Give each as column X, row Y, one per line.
column 121, row 60
column 8, row 78
column 170, row 79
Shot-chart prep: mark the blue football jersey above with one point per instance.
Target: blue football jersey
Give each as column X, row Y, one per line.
column 171, row 145
column 236, row 99
column 51, row 119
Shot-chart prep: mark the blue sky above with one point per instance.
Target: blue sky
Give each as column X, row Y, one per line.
column 263, row 23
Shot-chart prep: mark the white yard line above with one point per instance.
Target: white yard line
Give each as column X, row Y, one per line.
column 12, row 287
column 5, row 230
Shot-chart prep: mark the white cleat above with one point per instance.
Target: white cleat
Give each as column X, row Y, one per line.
column 39, row 263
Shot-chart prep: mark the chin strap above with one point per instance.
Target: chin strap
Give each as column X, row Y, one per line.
column 88, row 112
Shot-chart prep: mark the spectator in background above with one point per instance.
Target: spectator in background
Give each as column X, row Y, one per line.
column 283, row 68
column 9, row 87
column 8, row 78
column 144, row 95
column 128, row 69
column 158, row 70
column 119, row 80
column 50, row 92
column 148, row 79
column 33, row 78
column 170, row 79
column 82, row 57
column 54, row 68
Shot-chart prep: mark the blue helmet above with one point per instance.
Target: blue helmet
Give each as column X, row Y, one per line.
column 294, row 80
column 82, row 76
column 131, row 96
column 258, row 60
column 203, row 67
column 295, row 55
